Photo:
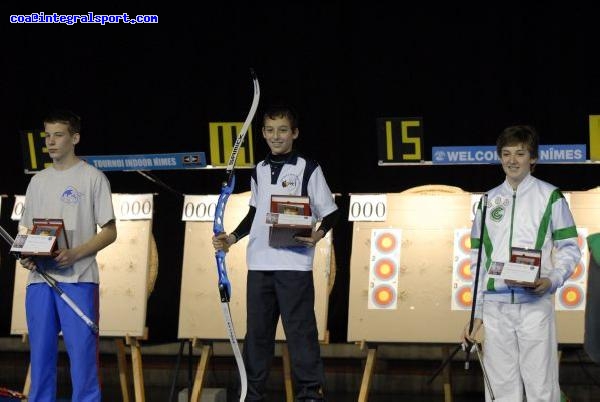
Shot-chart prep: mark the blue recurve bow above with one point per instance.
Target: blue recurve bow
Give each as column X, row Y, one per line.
column 224, row 284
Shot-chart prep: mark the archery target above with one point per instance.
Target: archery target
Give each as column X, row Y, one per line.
column 384, row 268
column 581, row 240
column 384, row 296
column 572, row 295
column 464, row 243
column 463, row 297
column 463, row 270
column 462, row 277
column 386, row 242
column 578, row 272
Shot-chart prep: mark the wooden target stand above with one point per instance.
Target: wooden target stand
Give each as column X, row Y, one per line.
column 369, row 369
column 428, row 216
column 128, row 270
column 134, row 343
column 369, row 327
column 199, row 285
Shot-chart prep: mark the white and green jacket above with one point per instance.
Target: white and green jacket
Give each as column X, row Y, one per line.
column 534, row 216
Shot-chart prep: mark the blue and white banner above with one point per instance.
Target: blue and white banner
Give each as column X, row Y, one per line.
column 487, row 154
column 183, row 160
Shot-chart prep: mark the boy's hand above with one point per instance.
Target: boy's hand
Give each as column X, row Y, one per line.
column 312, row 240
column 27, row 263
column 541, row 286
column 467, row 338
column 65, row 258
column 223, row 241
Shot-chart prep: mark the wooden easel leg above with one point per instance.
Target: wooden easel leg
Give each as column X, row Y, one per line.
column 123, row 371
column 201, row 373
column 287, row 373
column 447, row 376
column 365, row 384
column 27, row 385
column 138, row 375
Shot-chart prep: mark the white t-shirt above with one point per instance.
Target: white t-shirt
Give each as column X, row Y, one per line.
column 295, row 174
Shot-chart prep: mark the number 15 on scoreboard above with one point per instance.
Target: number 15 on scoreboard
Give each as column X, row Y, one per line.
column 400, row 139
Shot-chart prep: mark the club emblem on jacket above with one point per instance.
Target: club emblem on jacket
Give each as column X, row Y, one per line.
column 497, row 213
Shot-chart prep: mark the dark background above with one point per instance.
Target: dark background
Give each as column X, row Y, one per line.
column 153, row 88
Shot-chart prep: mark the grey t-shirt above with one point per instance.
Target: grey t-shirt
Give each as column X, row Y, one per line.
column 81, row 196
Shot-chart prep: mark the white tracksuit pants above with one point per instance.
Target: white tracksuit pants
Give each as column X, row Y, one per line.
column 520, row 349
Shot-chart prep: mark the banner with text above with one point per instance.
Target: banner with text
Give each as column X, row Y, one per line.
column 183, row 160
column 487, row 154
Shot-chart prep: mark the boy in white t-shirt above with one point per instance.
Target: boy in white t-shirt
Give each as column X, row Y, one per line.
column 280, row 280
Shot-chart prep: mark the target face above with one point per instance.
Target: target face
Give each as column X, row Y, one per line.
column 464, row 243
column 462, row 277
column 577, row 272
column 463, row 270
column 386, row 243
column 464, row 296
column 385, row 269
column 571, row 296
column 581, row 240
column 383, row 296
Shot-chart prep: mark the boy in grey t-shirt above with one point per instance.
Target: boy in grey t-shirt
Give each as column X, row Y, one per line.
column 80, row 195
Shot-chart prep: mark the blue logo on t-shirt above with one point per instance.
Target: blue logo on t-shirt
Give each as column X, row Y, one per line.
column 70, row 195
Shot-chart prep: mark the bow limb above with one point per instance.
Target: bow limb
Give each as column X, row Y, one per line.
column 218, row 228
column 242, row 135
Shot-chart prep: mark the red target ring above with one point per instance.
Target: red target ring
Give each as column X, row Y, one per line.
column 386, row 242
column 464, row 296
column 571, row 296
column 463, row 270
column 385, row 269
column 577, row 272
column 464, row 243
column 581, row 241
column 383, row 296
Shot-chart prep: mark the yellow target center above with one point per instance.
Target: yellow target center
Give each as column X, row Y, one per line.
column 383, row 296
column 467, row 297
column 386, row 243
